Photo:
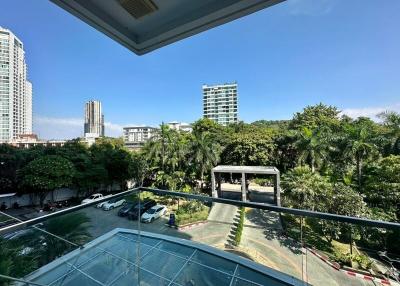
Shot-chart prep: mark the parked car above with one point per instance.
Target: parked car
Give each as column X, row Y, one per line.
column 154, row 213
column 100, row 205
column 136, row 212
column 94, row 198
column 126, row 209
column 113, row 203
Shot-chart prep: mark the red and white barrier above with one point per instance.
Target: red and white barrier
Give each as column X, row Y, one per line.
column 324, row 258
column 367, row 277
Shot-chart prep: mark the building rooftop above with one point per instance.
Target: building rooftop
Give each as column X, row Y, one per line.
column 145, row 25
column 246, row 169
column 112, row 259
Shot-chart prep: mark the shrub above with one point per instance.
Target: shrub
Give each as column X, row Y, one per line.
column 185, row 218
column 190, row 212
column 239, row 229
column 363, row 261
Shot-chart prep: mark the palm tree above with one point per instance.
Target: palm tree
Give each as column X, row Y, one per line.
column 358, row 144
column 312, row 146
column 156, row 149
column 392, row 121
column 165, row 153
column 204, row 153
column 72, row 227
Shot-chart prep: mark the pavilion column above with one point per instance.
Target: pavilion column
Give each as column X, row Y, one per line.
column 244, row 191
column 213, row 190
column 277, row 189
column 219, row 185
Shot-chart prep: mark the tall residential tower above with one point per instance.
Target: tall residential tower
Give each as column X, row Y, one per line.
column 15, row 90
column 94, row 119
column 220, row 103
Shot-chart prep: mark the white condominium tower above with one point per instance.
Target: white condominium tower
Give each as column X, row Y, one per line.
column 15, row 90
column 220, row 103
column 94, row 119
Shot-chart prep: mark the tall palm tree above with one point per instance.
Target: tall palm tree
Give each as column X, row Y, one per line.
column 359, row 145
column 156, row 149
column 166, row 153
column 204, row 153
column 312, row 146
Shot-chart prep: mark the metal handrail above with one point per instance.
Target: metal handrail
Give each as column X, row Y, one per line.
column 37, row 220
column 304, row 213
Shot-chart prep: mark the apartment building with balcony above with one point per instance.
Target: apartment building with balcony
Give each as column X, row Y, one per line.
column 15, row 89
column 136, row 136
column 220, row 103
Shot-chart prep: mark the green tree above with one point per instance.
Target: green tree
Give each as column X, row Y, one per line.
column 15, row 260
column 72, row 227
column 305, row 189
column 111, row 160
column 316, row 116
column 204, row 154
column 312, row 145
column 166, row 153
column 382, row 183
column 254, row 147
column 47, row 173
column 359, row 145
column 392, row 121
column 139, row 168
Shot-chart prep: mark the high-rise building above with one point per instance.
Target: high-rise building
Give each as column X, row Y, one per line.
column 94, row 119
column 15, row 90
column 220, row 103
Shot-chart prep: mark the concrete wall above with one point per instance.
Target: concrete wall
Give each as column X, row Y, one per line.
column 29, row 199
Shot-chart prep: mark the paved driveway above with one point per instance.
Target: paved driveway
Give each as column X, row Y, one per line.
column 261, row 234
column 260, row 239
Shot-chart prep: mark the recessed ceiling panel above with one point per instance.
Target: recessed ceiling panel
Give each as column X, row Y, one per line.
column 145, row 25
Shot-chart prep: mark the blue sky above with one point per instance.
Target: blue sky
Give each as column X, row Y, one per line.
column 300, row 52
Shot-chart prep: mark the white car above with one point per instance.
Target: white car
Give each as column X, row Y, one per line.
column 93, row 198
column 154, row 213
column 113, row 203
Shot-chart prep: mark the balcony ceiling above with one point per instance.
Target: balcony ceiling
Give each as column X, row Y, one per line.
column 145, row 25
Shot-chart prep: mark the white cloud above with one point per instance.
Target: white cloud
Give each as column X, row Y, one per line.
column 310, row 7
column 371, row 112
column 67, row 128
column 112, row 129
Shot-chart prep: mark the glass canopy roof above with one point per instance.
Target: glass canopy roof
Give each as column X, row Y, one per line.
column 122, row 257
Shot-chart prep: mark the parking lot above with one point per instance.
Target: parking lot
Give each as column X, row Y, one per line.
column 102, row 222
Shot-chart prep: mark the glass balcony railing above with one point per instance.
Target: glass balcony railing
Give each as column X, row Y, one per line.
column 155, row 237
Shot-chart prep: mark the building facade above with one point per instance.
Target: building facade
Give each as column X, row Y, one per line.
column 27, row 141
column 180, row 126
column 15, row 90
column 136, row 136
column 220, row 103
column 94, row 119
